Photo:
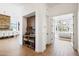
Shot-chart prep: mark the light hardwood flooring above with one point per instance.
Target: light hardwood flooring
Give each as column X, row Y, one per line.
column 10, row 47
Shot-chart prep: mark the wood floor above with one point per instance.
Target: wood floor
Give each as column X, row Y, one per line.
column 10, row 47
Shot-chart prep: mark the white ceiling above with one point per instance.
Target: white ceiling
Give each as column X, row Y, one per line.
column 31, row 14
column 26, row 4
column 52, row 4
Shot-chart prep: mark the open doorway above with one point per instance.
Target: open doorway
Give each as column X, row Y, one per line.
column 63, row 28
column 29, row 30
column 61, row 34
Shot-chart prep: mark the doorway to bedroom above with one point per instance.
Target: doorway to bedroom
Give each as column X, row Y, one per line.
column 63, row 30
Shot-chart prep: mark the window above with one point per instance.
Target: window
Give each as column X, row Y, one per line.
column 64, row 25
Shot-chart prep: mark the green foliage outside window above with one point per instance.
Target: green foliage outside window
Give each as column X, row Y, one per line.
column 62, row 26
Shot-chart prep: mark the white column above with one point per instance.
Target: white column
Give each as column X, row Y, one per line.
column 40, row 32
